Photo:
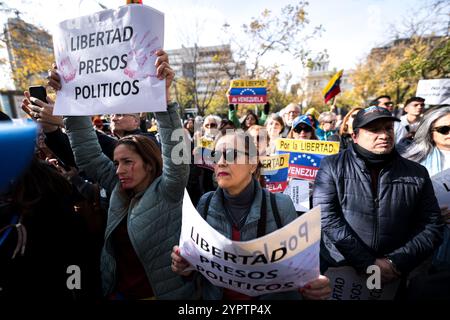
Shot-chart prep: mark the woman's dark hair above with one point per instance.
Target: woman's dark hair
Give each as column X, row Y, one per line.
column 249, row 113
column 187, row 121
column 147, row 150
column 39, row 180
column 225, row 125
column 276, row 117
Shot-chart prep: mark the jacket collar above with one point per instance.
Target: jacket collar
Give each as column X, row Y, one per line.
column 255, row 210
column 360, row 162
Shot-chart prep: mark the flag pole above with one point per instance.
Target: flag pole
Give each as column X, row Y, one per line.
column 333, row 105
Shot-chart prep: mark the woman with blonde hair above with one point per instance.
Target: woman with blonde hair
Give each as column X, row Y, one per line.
column 346, row 129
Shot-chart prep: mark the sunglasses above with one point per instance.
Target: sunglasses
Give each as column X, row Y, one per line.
column 211, row 125
column 299, row 129
column 230, row 155
column 444, row 130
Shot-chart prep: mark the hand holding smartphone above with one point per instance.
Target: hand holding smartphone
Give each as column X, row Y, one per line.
column 38, row 92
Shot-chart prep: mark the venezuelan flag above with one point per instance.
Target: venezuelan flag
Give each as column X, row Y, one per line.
column 333, row 87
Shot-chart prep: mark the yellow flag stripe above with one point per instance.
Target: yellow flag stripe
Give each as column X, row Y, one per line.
column 332, row 81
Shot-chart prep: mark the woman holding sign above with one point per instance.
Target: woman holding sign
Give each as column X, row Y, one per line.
column 241, row 210
column 144, row 215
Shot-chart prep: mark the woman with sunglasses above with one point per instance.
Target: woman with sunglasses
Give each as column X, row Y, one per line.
column 346, row 129
column 211, row 127
column 302, row 128
column 431, row 148
column 144, row 216
column 327, row 127
column 235, row 208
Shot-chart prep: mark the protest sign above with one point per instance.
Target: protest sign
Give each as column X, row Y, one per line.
column 305, row 156
column 283, row 260
column 435, row 91
column 247, row 92
column 298, row 191
column 347, row 284
column 106, row 62
column 275, row 172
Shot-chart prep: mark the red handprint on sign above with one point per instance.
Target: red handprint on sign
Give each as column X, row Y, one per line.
column 139, row 64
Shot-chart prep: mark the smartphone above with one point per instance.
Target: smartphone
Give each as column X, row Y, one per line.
column 38, row 92
column 63, row 165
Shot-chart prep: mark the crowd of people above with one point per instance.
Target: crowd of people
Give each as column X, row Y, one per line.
column 112, row 197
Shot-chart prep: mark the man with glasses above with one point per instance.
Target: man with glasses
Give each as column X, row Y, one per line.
column 125, row 124
column 289, row 113
column 384, row 102
column 377, row 207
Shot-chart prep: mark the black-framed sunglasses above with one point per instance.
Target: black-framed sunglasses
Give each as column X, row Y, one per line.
column 299, row 129
column 444, row 130
column 211, row 125
column 230, row 155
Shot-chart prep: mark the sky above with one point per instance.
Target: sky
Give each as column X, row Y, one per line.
column 352, row 27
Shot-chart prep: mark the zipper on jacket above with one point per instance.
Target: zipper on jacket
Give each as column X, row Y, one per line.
column 377, row 211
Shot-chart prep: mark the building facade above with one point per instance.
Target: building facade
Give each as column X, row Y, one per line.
column 315, row 80
column 210, row 68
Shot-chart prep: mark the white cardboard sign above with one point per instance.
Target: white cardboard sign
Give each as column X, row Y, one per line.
column 106, row 62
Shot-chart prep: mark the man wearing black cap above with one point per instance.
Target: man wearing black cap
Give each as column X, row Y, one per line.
column 377, row 207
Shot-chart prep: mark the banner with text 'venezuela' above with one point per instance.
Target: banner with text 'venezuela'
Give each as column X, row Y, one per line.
column 283, row 260
column 305, row 156
column 106, row 62
column 275, row 172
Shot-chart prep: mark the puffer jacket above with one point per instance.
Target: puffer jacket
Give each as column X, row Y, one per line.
column 218, row 220
column 401, row 222
column 154, row 221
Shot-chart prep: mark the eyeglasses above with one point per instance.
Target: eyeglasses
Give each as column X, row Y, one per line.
column 230, row 155
column 299, row 129
column 444, row 130
column 120, row 115
column 211, row 125
column 331, row 122
column 388, row 104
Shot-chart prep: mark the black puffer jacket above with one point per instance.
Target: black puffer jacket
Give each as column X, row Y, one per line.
column 402, row 222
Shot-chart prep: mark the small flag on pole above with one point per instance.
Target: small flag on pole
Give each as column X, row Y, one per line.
column 134, row 1
column 333, row 87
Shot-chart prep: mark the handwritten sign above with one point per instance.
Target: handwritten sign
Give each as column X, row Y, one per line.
column 347, row 284
column 298, row 191
column 106, row 62
column 283, row 260
column 435, row 91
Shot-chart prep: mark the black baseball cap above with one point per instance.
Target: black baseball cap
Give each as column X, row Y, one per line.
column 370, row 114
